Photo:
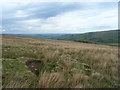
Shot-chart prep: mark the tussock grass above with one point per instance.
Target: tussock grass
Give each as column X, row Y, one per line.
column 67, row 64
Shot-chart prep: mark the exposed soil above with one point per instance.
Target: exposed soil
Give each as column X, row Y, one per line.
column 34, row 66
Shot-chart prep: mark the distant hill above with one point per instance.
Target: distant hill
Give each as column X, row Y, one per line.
column 42, row 36
column 93, row 37
column 103, row 37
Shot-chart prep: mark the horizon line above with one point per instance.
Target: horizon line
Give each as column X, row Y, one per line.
column 59, row 33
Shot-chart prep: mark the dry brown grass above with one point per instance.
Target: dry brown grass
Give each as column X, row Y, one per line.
column 50, row 80
column 67, row 64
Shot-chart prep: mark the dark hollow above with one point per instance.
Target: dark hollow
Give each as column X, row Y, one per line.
column 34, row 66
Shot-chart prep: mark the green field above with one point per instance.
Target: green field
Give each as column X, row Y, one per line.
column 102, row 37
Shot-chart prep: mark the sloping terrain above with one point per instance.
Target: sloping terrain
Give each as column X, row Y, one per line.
column 66, row 64
column 102, row 37
column 107, row 37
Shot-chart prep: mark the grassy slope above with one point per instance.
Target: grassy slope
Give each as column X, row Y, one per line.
column 102, row 37
column 66, row 64
column 99, row 37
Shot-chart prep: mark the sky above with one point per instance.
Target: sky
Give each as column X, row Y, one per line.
column 30, row 17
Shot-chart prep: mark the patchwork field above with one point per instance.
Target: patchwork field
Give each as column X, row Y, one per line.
column 63, row 64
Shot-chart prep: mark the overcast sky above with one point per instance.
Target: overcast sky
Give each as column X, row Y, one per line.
column 58, row 17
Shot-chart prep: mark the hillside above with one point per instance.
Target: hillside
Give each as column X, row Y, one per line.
column 95, row 37
column 60, row 64
column 102, row 37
